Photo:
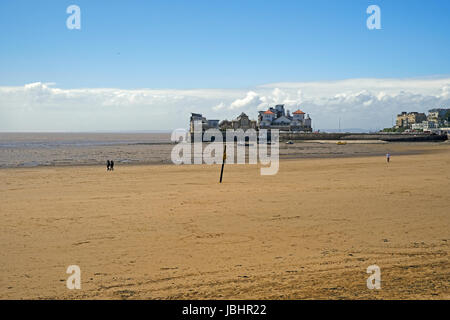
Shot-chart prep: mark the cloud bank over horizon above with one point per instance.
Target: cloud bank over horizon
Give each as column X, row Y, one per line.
column 359, row 103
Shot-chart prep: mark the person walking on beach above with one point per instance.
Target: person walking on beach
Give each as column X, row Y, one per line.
column 108, row 165
column 112, row 165
column 388, row 157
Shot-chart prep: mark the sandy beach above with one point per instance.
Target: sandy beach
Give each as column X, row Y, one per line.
column 174, row 232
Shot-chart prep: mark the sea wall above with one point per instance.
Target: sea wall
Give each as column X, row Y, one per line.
column 391, row 137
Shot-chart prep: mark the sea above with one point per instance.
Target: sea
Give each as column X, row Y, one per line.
column 59, row 149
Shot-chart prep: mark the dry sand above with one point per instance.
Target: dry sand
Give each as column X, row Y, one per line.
column 158, row 232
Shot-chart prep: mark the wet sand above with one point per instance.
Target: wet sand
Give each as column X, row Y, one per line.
column 174, row 232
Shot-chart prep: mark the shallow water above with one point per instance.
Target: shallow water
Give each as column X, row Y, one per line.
column 49, row 149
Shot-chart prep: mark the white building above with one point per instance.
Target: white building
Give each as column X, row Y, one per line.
column 277, row 118
column 424, row 126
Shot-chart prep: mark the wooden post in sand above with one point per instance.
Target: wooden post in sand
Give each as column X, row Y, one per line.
column 223, row 160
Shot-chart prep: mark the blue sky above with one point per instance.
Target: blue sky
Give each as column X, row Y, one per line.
column 219, row 44
column 232, row 46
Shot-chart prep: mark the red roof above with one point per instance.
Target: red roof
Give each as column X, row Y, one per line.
column 299, row 112
column 268, row 112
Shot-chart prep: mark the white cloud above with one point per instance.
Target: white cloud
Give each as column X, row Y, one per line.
column 361, row 103
column 251, row 100
column 220, row 106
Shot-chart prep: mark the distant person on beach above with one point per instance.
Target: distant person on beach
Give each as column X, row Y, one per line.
column 108, row 165
column 388, row 157
column 112, row 165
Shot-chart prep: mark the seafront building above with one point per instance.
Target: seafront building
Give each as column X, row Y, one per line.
column 407, row 119
column 273, row 118
column 241, row 122
column 206, row 124
column 436, row 114
column 435, row 121
column 278, row 118
column 424, row 126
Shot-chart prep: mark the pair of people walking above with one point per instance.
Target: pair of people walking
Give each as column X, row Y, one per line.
column 110, row 165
